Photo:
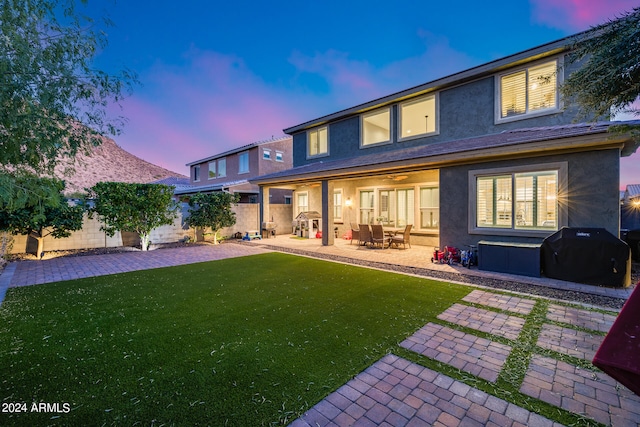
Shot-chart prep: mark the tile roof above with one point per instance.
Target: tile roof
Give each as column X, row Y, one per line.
column 211, row 187
column 239, row 149
column 633, row 190
column 432, row 153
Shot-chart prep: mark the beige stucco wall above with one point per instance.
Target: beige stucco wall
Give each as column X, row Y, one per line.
column 247, row 218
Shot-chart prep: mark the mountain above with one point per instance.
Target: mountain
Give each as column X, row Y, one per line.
column 108, row 162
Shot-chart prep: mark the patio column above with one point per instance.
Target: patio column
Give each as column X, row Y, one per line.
column 263, row 199
column 327, row 213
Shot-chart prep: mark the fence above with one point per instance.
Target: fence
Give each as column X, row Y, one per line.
column 247, row 218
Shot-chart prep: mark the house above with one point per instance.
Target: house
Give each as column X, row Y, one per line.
column 231, row 170
column 489, row 153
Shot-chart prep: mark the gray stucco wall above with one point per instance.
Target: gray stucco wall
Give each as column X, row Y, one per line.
column 464, row 111
column 593, row 195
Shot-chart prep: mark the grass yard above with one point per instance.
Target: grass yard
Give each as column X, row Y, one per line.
column 242, row 342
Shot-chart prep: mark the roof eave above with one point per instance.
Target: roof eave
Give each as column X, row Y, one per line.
column 543, row 51
column 517, row 150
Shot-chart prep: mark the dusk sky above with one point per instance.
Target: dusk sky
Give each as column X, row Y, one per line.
column 216, row 75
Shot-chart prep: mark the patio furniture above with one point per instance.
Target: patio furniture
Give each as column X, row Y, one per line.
column 364, row 235
column 378, row 237
column 403, row 238
column 355, row 232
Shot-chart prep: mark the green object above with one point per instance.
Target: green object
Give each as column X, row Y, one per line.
column 246, row 342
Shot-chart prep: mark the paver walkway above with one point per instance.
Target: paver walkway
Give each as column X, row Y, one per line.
column 397, row 392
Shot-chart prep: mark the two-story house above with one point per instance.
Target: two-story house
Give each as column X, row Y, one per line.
column 231, row 170
column 490, row 153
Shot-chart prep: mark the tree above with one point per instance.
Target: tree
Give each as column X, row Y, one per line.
column 137, row 208
column 52, row 100
column 212, row 210
column 39, row 222
column 609, row 79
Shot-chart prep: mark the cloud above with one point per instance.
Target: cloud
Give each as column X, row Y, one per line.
column 351, row 82
column 578, row 15
column 209, row 104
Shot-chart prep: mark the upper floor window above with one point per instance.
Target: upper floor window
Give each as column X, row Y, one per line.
column 196, row 173
column 376, row 127
column 529, row 91
column 266, row 154
column 243, row 162
column 222, row 168
column 418, row 117
column 317, row 142
column 279, row 156
column 212, row 170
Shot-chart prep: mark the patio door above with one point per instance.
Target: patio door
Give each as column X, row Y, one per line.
column 367, row 205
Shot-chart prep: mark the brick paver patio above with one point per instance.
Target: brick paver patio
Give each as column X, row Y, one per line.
column 573, row 342
column 595, row 321
column 503, row 302
column 484, row 320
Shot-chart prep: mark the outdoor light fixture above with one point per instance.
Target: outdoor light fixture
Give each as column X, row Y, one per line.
column 348, row 202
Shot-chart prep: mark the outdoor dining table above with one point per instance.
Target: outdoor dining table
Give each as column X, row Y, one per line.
column 392, row 231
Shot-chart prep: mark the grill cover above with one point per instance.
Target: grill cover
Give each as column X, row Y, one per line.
column 587, row 255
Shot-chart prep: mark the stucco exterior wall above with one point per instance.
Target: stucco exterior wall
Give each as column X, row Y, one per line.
column 465, row 111
column 592, row 195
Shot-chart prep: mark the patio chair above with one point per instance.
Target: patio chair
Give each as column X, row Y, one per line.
column 403, row 238
column 378, row 236
column 355, row 232
column 364, row 235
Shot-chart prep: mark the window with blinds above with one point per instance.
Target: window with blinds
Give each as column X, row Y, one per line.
column 529, row 91
column 519, row 201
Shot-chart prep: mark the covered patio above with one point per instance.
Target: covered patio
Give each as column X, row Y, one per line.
column 417, row 260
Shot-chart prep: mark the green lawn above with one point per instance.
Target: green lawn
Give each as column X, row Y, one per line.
column 242, row 342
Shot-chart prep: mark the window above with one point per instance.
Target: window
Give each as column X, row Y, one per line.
column 536, row 200
column 376, row 127
column 196, row 173
column 429, row 207
column 494, row 201
column 525, row 199
column 287, row 200
column 337, row 205
column 212, row 170
column 243, row 162
column 529, row 91
column 366, row 207
column 222, row 168
column 405, row 203
column 418, row 117
column 303, row 202
column 266, row 154
column 279, row 156
column 317, row 142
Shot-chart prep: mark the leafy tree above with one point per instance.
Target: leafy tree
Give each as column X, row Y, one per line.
column 41, row 221
column 137, row 208
column 609, row 79
column 212, row 210
column 52, row 100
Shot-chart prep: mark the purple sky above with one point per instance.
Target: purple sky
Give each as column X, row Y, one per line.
column 216, row 75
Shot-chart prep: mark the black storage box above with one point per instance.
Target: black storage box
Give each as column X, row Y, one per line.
column 509, row 257
column 587, row 255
